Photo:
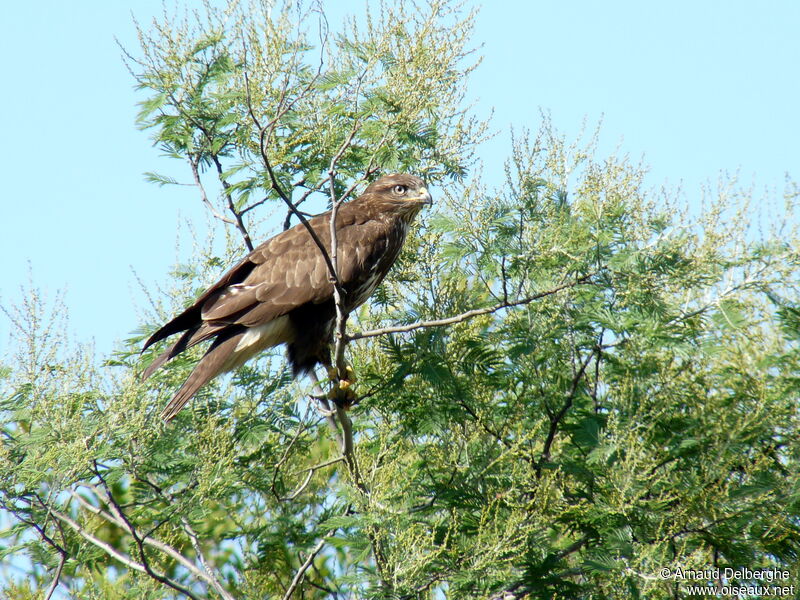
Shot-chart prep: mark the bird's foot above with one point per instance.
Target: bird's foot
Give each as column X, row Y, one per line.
column 323, row 406
column 342, row 392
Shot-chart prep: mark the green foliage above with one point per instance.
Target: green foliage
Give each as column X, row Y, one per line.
column 626, row 402
column 381, row 95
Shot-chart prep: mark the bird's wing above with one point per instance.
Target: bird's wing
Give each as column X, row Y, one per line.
column 289, row 271
column 281, row 274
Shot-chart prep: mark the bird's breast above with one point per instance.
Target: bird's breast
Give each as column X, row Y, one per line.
column 376, row 265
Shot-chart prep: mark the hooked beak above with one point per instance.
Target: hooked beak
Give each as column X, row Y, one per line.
column 424, row 196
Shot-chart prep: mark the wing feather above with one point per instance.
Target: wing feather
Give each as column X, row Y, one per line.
column 212, row 364
column 284, row 273
column 282, row 291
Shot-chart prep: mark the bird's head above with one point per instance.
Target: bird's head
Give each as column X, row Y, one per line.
column 405, row 193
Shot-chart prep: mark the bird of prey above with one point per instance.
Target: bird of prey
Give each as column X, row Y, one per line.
column 282, row 292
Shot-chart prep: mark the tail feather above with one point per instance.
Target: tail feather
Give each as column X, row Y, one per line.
column 189, row 319
column 160, row 360
column 189, row 338
column 216, row 360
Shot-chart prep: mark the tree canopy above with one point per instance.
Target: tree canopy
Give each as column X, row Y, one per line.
column 569, row 383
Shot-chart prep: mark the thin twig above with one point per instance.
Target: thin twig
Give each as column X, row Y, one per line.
column 194, row 162
column 117, row 519
column 276, row 186
column 326, row 409
column 141, row 541
column 231, row 206
column 298, row 577
column 340, row 335
column 307, row 480
column 215, row 582
column 344, row 444
column 247, row 209
column 212, row 576
column 57, row 577
column 108, row 548
column 349, row 449
column 285, row 456
column 198, row 182
column 557, row 417
column 48, row 540
column 466, row 315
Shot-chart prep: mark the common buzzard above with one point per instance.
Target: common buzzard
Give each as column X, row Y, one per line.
column 282, row 293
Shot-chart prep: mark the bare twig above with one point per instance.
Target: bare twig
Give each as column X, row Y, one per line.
column 276, row 186
column 298, row 577
column 237, row 214
column 247, row 209
column 210, row 571
column 285, row 456
column 309, row 475
column 57, row 576
column 140, row 543
column 212, row 578
column 470, row 314
column 310, row 470
column 326, row 409
column 329, row 256
column 556, row 418
column 40, row 529
column 348, row 449
column 117, row 519
column 340, row 334
column 107, row 548
column 141, row 540
column 193, row 162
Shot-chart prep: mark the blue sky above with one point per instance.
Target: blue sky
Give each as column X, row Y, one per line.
column 694, row 87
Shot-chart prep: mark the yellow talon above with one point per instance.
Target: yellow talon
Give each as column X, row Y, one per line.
column 341, row 390
column 333, row 374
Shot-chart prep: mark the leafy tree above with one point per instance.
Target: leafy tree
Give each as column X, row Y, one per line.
column 567, row 384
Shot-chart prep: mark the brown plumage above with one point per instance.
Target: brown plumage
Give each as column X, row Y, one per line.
column 281, row 293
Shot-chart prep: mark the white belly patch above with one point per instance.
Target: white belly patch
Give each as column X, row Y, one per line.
column 256, row 339
column 265, row 336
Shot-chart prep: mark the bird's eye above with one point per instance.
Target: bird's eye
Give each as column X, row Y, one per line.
column 400, row 189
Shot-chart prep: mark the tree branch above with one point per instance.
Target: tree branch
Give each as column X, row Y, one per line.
column 57, row 576
column 107, row 548
column 470, row 314
column 279, row 190
column 118, row 517
column 40, row 529
column 340, row 334
column 193, row 162
column 329, row 256
column 307, row 480
column 298, row 577
column 556, row 418
column 231, row 206
column 210, row 571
